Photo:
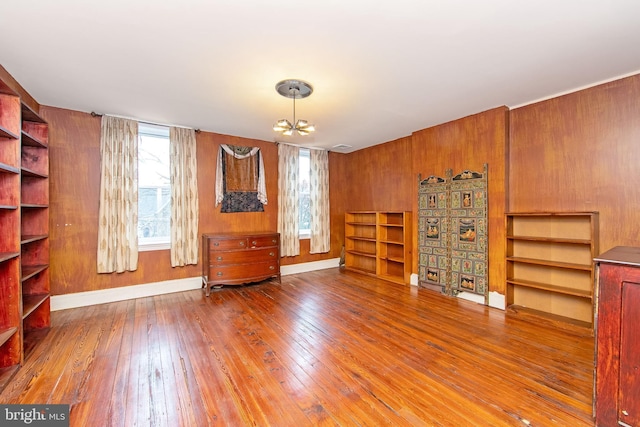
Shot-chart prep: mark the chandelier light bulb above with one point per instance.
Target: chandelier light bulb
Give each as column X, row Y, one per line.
column 294, row 89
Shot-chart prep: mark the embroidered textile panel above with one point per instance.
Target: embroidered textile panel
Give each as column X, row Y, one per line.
column 240, row 182
column 452, row 232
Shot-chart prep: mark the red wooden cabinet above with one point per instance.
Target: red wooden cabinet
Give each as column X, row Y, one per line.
column 617, row 388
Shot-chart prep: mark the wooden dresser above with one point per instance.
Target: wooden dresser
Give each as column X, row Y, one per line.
column 235, row 259
column 617, row 397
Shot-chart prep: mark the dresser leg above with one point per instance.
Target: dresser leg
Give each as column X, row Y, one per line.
column 205, row 286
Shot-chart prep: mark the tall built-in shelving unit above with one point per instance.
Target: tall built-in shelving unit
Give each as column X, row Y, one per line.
column 550, row 269
column 10, row 289
column 360, row 241
column 24, row 236
column 379, row 244
column 34, row 226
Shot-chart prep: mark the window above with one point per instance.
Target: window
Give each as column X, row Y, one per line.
column 154, row 191
column 304, row 177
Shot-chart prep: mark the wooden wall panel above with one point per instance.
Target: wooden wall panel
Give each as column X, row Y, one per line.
column 580, row 152
column 374, row 178
column 74, row 153
column 469, row 143
column 211, row 219
column 378, row 178
column 74, row 143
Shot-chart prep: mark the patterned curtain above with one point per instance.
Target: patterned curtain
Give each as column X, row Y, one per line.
column 319, row 192
column 288, row 201
column 184, row 197
column 118, row 214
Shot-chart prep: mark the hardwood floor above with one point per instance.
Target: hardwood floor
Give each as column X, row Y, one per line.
column 323, row 348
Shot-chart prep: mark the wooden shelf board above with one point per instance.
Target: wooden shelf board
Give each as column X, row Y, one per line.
column 8, row 207
column 32, row 141
column 392, row 242
column 6, row 133
column 392, row 225
column 551, row 240
column 550, row 213
column 565, row 323
column 6, row 334
column 362, row 270
column 33, row 337
column 6, row 375
column 30, row 172
column 367, row 254
column 557, row 264
column 32, row 238
column 393, row 259
column 28, row 271
column 31, row 116
column 6, row 256
column 391, row 278
column 33, row 206
column 9, row 169
column 368, row 224
column 366, row 239
column 552, row 288
column 31, row 302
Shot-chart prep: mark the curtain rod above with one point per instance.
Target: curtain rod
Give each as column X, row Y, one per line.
column 147, row 122
column 300, row 146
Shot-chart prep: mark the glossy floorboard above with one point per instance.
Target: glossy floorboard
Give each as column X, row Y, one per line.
column 323, row 348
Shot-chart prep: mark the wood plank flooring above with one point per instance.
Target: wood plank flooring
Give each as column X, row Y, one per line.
column 322, row 348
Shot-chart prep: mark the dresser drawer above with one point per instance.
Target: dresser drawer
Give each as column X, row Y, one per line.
column 239, row 257
column 227, row 244
column 262, row 241
column 220, row 273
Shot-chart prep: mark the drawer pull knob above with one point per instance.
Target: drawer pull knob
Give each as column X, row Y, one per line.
column 273, row 241
column 272, row 254
column 219, row 273
column 254, row 243
column 216, row 244
column 219, row 258
column 271, row 267
column 241, row 243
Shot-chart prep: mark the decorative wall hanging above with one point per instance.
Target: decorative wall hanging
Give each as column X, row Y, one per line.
column 240, row 182
column 452, row 232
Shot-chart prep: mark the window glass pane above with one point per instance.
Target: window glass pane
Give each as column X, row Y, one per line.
column 154, row 192
column 305, row 198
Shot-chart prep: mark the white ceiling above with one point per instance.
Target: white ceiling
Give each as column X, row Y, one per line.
column 380, row 69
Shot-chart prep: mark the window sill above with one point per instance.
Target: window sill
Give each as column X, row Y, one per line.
column 160, row 246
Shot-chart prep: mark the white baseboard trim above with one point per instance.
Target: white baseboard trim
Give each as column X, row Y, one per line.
column 413, row 280
column 470, row 296
column 497, row 300
column 103, row 296
column 304, row 267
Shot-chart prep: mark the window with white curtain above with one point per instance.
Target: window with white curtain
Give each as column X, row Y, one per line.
column 154, row 190
column 304, row 195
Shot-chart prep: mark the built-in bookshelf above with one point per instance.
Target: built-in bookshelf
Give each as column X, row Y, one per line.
column 379, row 244
column 10, row 286
column 24, row 221
column 550, row 269
column 34, row 226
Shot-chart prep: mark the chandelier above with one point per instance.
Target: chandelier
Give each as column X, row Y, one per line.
column 294, row 89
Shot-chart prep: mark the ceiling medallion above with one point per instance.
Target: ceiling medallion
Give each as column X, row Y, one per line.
column 294, row 89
